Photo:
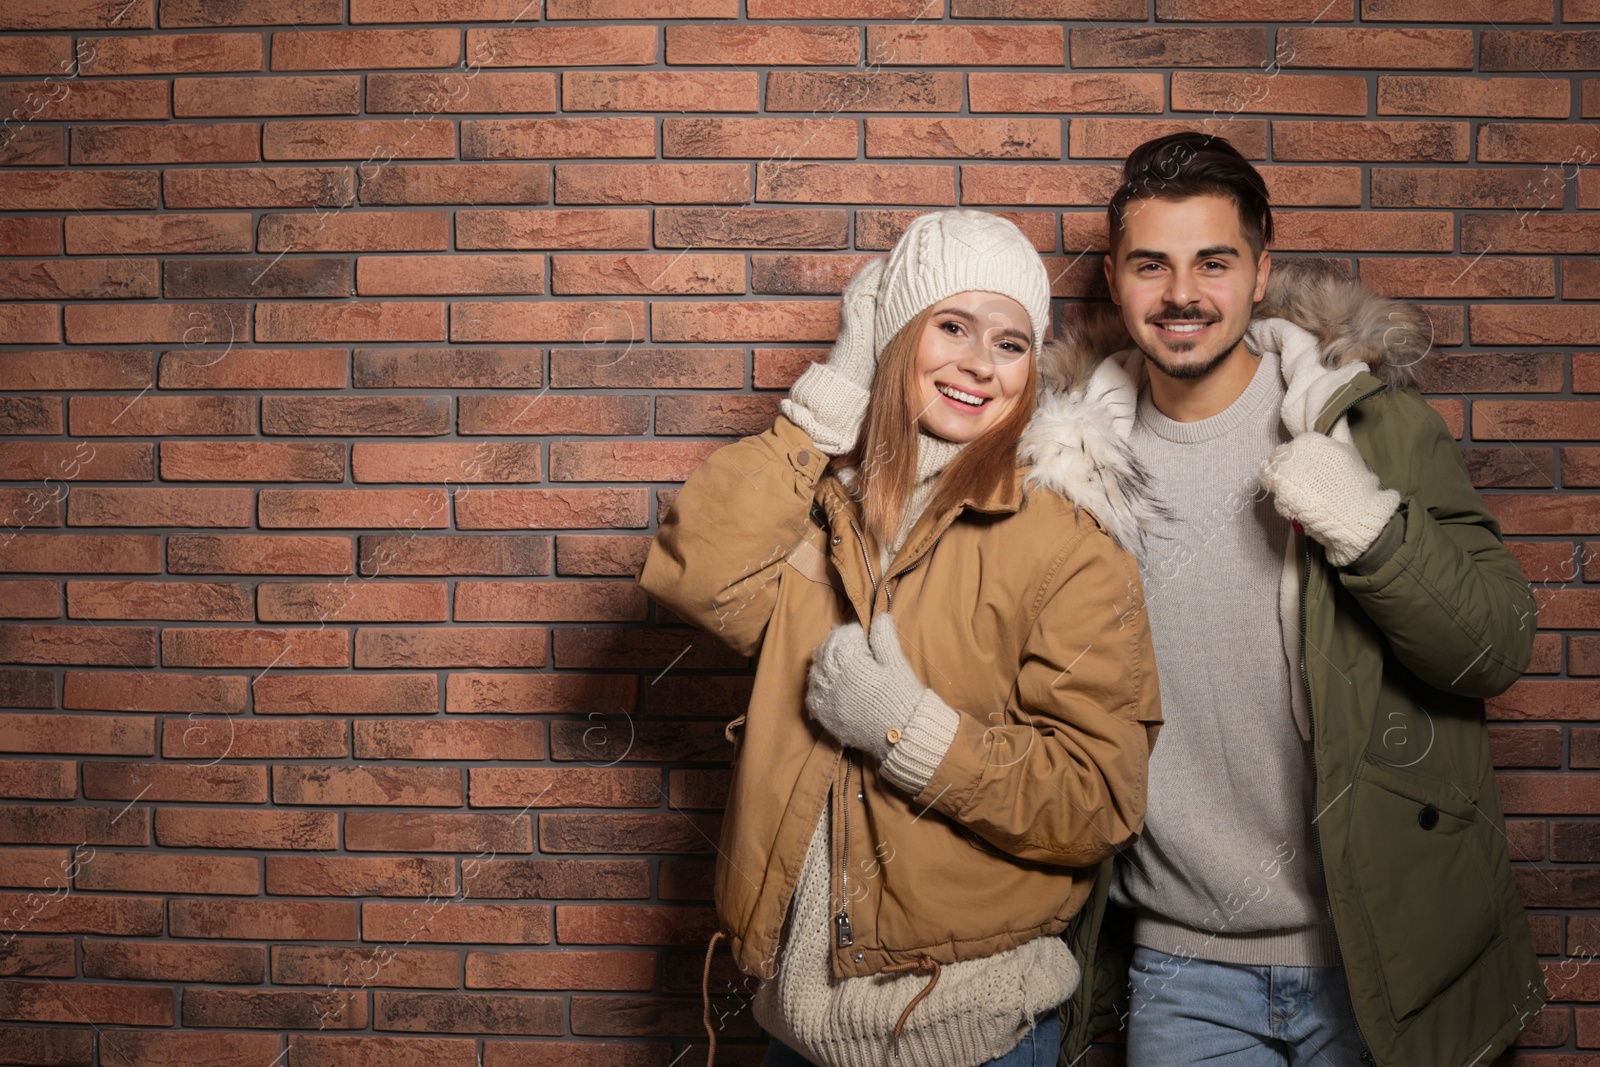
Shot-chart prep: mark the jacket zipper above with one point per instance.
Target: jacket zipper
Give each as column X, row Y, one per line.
column 841, row 921
column 1316, row 836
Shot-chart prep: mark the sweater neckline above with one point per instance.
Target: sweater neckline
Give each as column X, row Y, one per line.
column 1263, row 384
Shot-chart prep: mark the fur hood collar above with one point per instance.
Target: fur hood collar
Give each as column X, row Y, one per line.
column 1325, row 327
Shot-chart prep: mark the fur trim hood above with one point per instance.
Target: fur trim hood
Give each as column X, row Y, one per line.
column 1077, row 441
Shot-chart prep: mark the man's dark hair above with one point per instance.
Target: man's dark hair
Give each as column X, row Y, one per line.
column 1184, row 165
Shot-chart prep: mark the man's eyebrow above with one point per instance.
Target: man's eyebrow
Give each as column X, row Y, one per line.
column 1162, row 257
column 1216, row 250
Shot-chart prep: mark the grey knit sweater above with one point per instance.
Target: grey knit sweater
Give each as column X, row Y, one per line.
column 1224, row 869
column 979, row 1010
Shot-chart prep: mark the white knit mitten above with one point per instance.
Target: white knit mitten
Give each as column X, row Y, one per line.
column 863, row 691
column 1326, row 487
column 829, row 400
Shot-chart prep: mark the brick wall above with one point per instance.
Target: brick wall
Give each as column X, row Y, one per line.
column 351, row 352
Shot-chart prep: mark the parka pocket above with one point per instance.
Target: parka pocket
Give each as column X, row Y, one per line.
column 1422, row 877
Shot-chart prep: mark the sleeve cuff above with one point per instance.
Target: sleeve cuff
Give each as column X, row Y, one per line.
column 924, row 740
column 828, row 407
column 1381, row 550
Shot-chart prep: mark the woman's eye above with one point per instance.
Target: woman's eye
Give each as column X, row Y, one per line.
column 951, row 327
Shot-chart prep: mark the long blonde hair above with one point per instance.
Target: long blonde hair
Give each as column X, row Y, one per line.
column 885, row 456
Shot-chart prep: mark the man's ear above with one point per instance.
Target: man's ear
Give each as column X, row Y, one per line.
column 1263, row 271
column 1109, row 266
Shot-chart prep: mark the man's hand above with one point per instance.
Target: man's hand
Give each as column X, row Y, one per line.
column 1326, row 487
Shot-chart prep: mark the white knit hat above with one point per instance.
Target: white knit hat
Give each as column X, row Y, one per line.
column 949, row 252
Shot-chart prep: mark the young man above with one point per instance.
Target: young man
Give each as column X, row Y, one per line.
column 1324, row 874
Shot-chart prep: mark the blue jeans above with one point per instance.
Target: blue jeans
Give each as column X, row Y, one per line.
column 1234, row 1015
column 1039, row 1048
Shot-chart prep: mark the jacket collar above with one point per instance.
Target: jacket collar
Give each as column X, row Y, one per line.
column 1336, row 340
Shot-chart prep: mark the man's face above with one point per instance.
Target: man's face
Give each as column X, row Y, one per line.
column 1186, row 281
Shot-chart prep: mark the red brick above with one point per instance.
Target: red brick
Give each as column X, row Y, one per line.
column 358, row 601
column 31, row 415
column 365, row 49
column 641, row 9
column 148, row 691
column 855, row 183
column 356, row 415
column 250, row 13
column 127, row 599
column 55, row 101
column 563, row 787
column 359, row 967
column 1547, row 794
column 1032, row 93
column 355, row 231
column 452, row 463
column 106, row 735
column 109, row 234
column 266, row 96
column 1390, row 231
column 259, row 461
column 561, row 970
column 1580, row 280
column 345, row 787
column 551, row 879
column 523, row 693
column 1579, row 467
column 275, row 1009
column 1503, row 187
column 831, row 93
column 203, row 738
column 592, row 647
column 160, row 415
column 879, row 229
column 244, row 828
column 548, row 413
column 97, row 506
column 653, row 183
column 359, row 138
column 1394, row 141
column 255, row 554
column 1532, row 142
column 1539, row 325
column 453, row 93
column 174, row 963
column 925, row 45
column 560, row 138
column 27, row 236
column 22, row 324
column 382, row 831
column 373, row 320
column 64, row 460
column 329, row 1050
column 119, row 646
column 1170, row 46
column 328, row 187
column 450, row 739
column 1545, row 699
column 675, row 832
column 81, row 369
column 765, row 138
column 1492, row 372
column 454, row 368
column 143, row 872
column 1115, row 138
column 520, row 554
column 553, row 229
column 184, row 782
column 36, row 55
column 1449, row 277
column 470, row 1013
column 633, row 1053
column 126, row 1005
column 515, row 924
column 1547, row 233
column 564, row 601
column 225, row 142
column 643, row 274
column 80, row 279
column 568, row 46
column 590, row 321
column 53, row 190
column 1227, row 94
column 1491, row 97
column 622, row 924
column 35, row 146
column 732, row 90
column 603, row 742
column 457, row 183
column 552, row 509
column 41, row 868
column 720, row 415
column 1449, row 11
column 476, row 646
column 763, row 45
column 234, row 647
column 39, row 779
column 627, row 461
column 1395, row 49
column 1261, row 10
column 1541, row 50
column 658, row 368
column 1538, row 420
column 30, row 825
column 69, row 913
column 453, row 275
column 170, row 53
column 1026, row 138
column 346, row 694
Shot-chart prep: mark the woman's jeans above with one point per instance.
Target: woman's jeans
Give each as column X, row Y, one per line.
column 1039, row 1048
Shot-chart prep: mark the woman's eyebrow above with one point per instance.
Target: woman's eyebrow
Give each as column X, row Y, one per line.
column 1006, row 331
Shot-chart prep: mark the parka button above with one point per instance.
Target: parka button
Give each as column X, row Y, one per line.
column 803, row 458
column 835, row 539
column 1428, row 817
column 860, row 957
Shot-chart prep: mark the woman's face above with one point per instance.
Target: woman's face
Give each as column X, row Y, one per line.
column 972, row 364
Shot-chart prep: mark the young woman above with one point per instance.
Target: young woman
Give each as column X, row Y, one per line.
column 955, row 694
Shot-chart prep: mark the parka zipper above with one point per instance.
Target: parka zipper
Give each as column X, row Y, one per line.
column 841, row 921
column 1316, row 836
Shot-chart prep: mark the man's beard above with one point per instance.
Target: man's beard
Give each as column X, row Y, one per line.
column 1188, row 372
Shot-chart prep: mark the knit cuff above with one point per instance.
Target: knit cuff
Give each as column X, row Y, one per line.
column 1362, row 526
column 1381, row 550
column 924, row 740
column 827, row 406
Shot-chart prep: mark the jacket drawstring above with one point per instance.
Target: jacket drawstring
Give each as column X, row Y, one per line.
column 705, row 998
column 921, row 965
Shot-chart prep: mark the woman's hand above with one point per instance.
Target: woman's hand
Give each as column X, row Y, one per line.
column 829, row 400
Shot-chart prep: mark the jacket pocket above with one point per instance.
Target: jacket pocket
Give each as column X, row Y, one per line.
column 1422, row 878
